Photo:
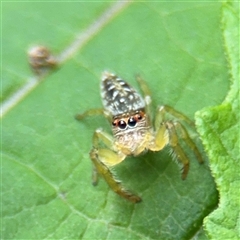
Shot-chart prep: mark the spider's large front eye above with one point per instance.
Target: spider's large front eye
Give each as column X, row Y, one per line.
column 122, row 124
column 132, row 121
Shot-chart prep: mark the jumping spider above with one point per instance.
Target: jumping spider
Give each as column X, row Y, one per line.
column 133, row 131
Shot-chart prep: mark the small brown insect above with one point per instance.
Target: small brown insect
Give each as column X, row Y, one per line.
column 133, row 131
column 41, row 60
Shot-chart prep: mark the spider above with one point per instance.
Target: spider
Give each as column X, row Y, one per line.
column 133, row 131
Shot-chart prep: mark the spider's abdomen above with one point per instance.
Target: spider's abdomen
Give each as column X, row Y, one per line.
column 119, row 97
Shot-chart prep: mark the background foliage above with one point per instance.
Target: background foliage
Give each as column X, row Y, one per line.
column 46, row 172
column 220, row 131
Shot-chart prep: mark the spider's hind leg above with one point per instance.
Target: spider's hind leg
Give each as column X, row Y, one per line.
column 176, row 147
column 171, row 131
column 187, row 139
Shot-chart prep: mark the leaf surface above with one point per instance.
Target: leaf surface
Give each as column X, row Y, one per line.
column 46, row 182
column 219, row 128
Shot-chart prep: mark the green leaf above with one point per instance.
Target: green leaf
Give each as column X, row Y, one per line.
column 50, row 24
column 219, row 129
column 46, row 170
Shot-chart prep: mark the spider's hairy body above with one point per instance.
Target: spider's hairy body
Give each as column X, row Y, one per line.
column 125, row 105
column 133, row 131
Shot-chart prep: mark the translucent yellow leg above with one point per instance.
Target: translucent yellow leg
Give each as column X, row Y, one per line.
column 147, row 95
column 166, row 134
column 105, row 158
column 161, row 138
column 91, row 112
column 189, row 141
column 177, row 150
column 162, row 110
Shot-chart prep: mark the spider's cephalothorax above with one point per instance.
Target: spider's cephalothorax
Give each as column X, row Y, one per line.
column 130, row 124
column 133, row 132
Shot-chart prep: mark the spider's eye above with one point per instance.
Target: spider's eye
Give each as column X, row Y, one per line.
column 122, row 124
column 114, row 123
column 132, row 121
column 139, row 117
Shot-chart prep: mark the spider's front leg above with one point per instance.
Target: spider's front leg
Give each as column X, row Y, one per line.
column 167, row 132
column 105, row 158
